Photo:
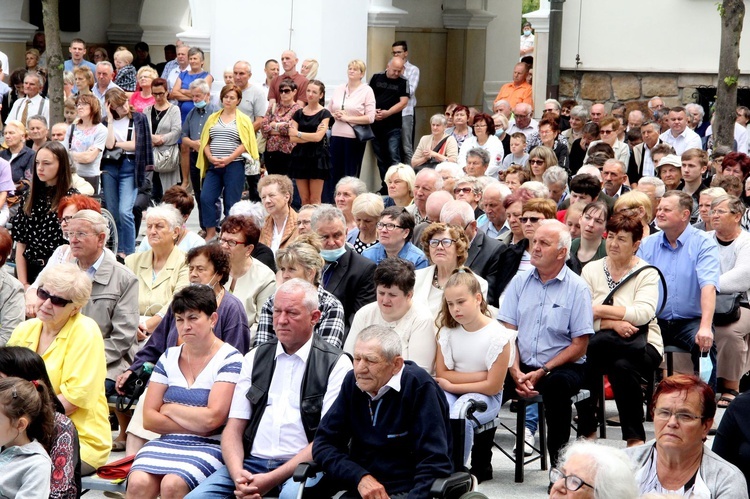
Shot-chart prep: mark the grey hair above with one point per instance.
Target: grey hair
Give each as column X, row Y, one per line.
column 555, row 102
column 654, row 125
column 623, row 167
column 455, row 170
column 468, row 179
column 480, row 153
column 563, row 235
column 614, row 476
column 390, row 341
column 697, row 107
column 69, row 281
column 97, row 221
column 590, row 170
column 439, row 117
column 310, row 301
column 502, row 189
column 358, row 186
column 201, row 84
column 457, row 208
column 538, row 189
column 249, row 67
column 369, row 204
column 524, row 106
column 255, row 211
column 653, row 99
column 196, row 50
column 501, row 101
column 39, row 77
column 555, row 175
column 166, row 212
column 713, row 192
column 105, row 63
column 734, row 203
column 37, row 117
column 327, row 213
column 658, row 184
column 424, row 172
column 580, row 112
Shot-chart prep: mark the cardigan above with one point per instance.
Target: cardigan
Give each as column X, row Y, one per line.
column 244, row 128
column 155, row 295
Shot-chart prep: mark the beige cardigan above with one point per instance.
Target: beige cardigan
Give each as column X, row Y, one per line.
column 155, row 295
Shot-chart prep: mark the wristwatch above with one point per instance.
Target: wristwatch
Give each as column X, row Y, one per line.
column 546, row 370
column 299, row 135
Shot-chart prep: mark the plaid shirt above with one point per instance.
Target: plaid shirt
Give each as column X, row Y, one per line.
column 330, row 326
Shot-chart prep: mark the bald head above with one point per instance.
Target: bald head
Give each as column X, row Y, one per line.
column 597, row 112
column 289, row 61
column 435, row 204
column 242, row 74
column 395, row 68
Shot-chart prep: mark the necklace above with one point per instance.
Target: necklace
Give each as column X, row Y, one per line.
column 205, row 359
column 435, row 282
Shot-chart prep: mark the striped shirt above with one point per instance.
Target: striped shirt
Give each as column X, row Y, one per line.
column 224, row 138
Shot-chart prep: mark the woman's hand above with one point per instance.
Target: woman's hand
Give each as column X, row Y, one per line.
column 624, row 328
column 292, row 129
column 158, row 140
column 444, row 384
column 220, row 162
column 120, row 381
column 143, row 332
column 31, row 302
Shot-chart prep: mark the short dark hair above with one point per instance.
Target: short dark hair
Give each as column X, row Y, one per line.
column 200, row 298
column 621, row 222
column 601, row 147
column 402, row 218
column 395, row 272
column 487, row 121
column 216, row 255
column 553, row 124
column 244, row 225
column 591, row 128
column 586, row 184
column 160, row 82
column 684, row 200
column 401, row 43
column 142, row 46
column 270, row 60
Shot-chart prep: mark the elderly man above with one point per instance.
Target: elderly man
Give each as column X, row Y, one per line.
column 518, row 90
column 697, row 113
column 427, row 182
column 477, row 162
column 470, row 190
column 392, row 94
column 484, row 252
column 494, row 222
column 655, row 104
column 254, row 102
column 679, row 135
column 523, row 121
column 615, row 176
column 433, row 205
column 173, row 68
column 635, row 119
column 654, row 188
column 289, row 63
column 550, row 307
column 689, row 260
column 597, row 112
column 347, row 274
column 502, row 106
column 388, row 433
column 285, row 387
column 33, row 103
column 104, row 73
column 555, row 178
column 641, row 162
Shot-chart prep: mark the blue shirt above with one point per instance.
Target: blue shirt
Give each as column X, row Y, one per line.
column 693, row 264
column 408, row 252
column 195, row 120
column 484, row 224
column 548, row 315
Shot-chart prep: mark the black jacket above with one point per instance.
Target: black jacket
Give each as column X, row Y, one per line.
column 510, row 259
column 484, row 260
column 352, row 283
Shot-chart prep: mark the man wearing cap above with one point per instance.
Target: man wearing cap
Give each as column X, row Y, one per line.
column 669, row 171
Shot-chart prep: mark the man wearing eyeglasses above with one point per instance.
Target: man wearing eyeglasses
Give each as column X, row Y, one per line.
column 523, row 121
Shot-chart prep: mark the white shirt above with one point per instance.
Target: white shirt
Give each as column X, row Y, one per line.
column 648, row 169
column 494, row 148
column 280, row 433
column 688, row 139
column 528, row 131
column 16, row 112
column 740, row 136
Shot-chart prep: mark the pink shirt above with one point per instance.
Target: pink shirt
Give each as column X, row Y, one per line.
column 139, row 103
column 361, row 102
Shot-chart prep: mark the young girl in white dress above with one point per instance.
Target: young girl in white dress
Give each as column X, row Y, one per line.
column 474, row 351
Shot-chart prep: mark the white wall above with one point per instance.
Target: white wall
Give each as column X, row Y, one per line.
column 645, row 35
column 422, row 13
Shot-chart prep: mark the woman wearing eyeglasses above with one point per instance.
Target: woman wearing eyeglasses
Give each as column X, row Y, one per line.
column 591, row 245
column 88, row 139
column 395, row 229
column 448, row 249
column 549, row 136
column 72, row 347
column 589, row 470
column 678, row 461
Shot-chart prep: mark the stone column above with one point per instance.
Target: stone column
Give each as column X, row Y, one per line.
column 502, row 31
column 14, row 33
column 539, row 20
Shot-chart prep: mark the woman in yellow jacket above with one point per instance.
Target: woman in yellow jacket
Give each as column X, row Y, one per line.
column 226, row 135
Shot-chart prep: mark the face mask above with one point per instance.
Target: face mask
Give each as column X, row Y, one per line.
column 210, row 284
column 527, row 32
column 201, row 104
column 333, row 255
column 499, row 132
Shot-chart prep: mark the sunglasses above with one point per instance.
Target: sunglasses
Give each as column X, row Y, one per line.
column 529, row 219
column 57, row 301
column 536, row 161
column 465, row 190
column 285, row 90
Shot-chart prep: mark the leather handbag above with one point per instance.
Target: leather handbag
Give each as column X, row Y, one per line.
column 134, row 387
column 166, row 159
column 113, row 155
column 727, row 309
column 606, row 342
column 363, row 133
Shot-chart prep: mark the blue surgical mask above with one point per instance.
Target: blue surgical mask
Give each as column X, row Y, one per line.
column 527, row 32
column 201, row 104
column 499, row 132
column 334, row 254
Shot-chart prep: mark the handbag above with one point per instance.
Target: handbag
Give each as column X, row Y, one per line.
column 606, row 342
column 114, row 156
column 363, row 133
column 727, row 309
column 167, row 159
column 116, row 470
column 134, row 387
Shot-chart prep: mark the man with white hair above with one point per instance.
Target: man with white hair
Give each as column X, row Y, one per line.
column 697, row 113
column 655, row 104
column 494, row 222
column 641, row 163
column 254, row 102
column 104, row 73
column 551, row 305
column 556, row 180
column 635, row 119
column 427, row 182
column 523, row 122
column 502, row 106
column 484, row 252
column 615, row 176
column 33, row 103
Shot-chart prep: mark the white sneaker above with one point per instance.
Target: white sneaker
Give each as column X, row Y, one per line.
column 530, row 441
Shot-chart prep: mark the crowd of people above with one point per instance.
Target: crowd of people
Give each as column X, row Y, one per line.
column 502, row 257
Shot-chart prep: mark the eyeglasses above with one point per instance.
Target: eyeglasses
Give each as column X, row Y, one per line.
column 285, row 90
column 536, row 161
column 83, row 104
column 66, row 219
column 76, row 235
column 229, row 242
column 465, row 190
column 57, row 301
column 388, row 226
column 445, row 243
column 606, row 132
column 681, row 417
column 529, row 219
column 521, row 115
column 480, row 125
column 572, row 482
column 158, row 94
column 719, row 212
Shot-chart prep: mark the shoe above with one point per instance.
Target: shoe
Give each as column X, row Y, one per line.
column 482, row 474
column 530, row 442
column 118, row 446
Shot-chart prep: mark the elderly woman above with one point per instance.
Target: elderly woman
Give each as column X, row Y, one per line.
column 280, row 227
column 188, row 400
column 38, row 131
column 275, row 129
column 84, row 79
column 678, row 461
column 400, row 180
column 36, row 228
column 161, row 271
column 460, row 129
column 181, row 88
column 64, row 337
column 591, row 245
column 208, row 266
column 516, row 176
column 705, row 199
column 638, row 204
column 250, row 280
column 20, row 157
column 12, row 304
column 541, row 158
column 579, row 115
column 182, row 200
column 437, row 147
column 142, row 97
column 394, row 284
column 302, row 260
column 732, row 340
column 593, row 471
column 450, row 173
column 352, row 103
column 86, row 139
column 484, row 138
column 366, row 210
column 347, row 190
column 448, row 249
column 164, row 123
column 634, row 305
column 556, row 181
column 394, row 238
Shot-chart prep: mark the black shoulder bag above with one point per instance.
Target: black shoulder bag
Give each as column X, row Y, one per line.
column 134, row 387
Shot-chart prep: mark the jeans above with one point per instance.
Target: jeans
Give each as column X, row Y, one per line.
column 681, row 333
column 387, row 149
column 346, row 161
column 118, row 184
column 407, row 137
column 195, row 181
column 221, row 486
column 230, row 179
column 457, row 402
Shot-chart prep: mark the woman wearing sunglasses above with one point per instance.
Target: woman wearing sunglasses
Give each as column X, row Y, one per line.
column 72, row 347
column 275, row 129
column 541, row 158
